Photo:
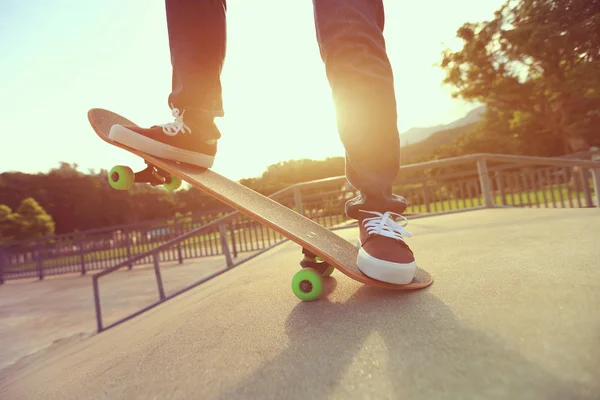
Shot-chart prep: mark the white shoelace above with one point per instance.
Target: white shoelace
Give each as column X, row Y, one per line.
column 173, row 128
column 385, row 225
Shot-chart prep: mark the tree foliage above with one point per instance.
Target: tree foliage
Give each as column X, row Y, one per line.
column 281, row 175
column 79, row 201
column 29, row 221
column 536, row 65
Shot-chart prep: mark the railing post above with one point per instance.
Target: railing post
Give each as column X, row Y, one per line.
column 484, row 180
column 596, row 179
column 1, row 267
column 97, row 303
column 233, row 245
column 81, row 252
column 585, row 180
column 426, row 197
column 500, row 185
column 39, row 260
column 177, row 233
column 225, row 245
column 127, row 239
column 298, row 201
column 159, row 282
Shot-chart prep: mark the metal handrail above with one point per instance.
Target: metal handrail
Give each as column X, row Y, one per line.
column 167, row 244
column 565, row 161
column 481, row 160
column 554, row 161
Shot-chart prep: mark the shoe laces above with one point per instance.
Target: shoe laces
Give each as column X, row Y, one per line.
column 173, row 128
column 384, row 224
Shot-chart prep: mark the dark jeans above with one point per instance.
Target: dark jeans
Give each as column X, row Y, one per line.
column 350, row 37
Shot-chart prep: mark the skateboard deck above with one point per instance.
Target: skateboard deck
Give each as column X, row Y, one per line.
column 314, row 238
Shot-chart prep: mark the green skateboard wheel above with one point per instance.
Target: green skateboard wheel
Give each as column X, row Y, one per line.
column 121, row 177
column 328, row 271
column 174, row 184
column 307, row 284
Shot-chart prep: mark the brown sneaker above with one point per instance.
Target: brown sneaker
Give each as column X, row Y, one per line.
column 193, row 142
column 383, row 253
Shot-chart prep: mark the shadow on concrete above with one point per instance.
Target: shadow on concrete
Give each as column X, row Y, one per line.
column 412, row 350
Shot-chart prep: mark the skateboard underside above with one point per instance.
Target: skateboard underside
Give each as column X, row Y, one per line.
column 322, row 249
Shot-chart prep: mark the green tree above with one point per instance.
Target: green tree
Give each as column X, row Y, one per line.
column 9, row 224
column 536, row 64
column 35, row 222
column 82, row 201
column 28, row 222
column 281, row 175
column 79, row 201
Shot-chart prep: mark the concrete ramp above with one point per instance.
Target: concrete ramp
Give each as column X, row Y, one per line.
column 513, row 313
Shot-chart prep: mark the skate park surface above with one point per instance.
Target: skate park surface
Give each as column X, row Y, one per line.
column 512, row 314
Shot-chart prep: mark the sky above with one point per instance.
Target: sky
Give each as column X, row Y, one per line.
column 59, row 58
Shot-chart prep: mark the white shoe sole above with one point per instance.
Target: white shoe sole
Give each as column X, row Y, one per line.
column 385, row 271
column 133, row 139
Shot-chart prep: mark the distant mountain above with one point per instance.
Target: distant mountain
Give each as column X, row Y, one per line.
column 415, row 135
column 424, row 150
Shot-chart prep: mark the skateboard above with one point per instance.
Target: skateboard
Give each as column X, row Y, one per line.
column 323, row 250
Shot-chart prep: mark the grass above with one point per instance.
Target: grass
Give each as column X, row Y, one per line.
column 545, row 198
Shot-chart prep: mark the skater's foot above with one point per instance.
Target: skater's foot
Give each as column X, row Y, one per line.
column 383, row 253
column 193, row 141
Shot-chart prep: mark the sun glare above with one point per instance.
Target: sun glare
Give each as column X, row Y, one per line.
column 277, row 99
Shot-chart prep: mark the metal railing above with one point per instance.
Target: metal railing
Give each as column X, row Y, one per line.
column 97, row 249
column 518, row 181
column 225, row 243
column 219, row 225
column 556, row 186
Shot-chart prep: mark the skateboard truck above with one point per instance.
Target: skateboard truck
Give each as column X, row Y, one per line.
column 152, row 175
column 121, row 177
column 311, row 260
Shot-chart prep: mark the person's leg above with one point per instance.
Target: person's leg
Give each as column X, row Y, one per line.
column 350, row 35
column 197, row 41
column 352, row 46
